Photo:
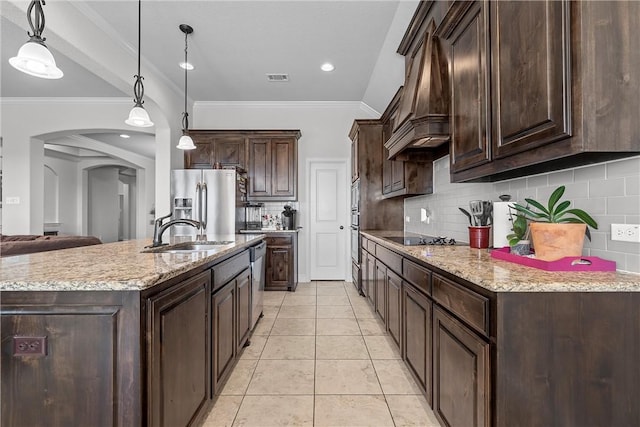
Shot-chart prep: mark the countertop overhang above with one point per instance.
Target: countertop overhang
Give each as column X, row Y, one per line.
column 477, row 266
column 119, row 266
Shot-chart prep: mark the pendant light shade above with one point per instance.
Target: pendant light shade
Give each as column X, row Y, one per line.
column 34, row 58
column 185, row 142
column 138, row 116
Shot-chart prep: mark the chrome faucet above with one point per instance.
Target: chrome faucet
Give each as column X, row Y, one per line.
column 159, row 228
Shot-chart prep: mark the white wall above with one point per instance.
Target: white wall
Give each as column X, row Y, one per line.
column 68, row 190
column 325, row 135
column 609, row 191
column 104, row 209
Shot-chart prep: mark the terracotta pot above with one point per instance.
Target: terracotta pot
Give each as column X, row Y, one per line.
column 479, row 236
column 554, row 241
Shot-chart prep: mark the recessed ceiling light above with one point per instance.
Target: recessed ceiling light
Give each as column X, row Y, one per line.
column 327, row 66
column 124, row 135
column 186, row 66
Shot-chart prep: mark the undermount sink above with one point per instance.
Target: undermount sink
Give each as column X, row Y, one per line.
column 188, row 247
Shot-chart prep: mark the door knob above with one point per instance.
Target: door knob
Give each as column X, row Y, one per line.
column 341, row 227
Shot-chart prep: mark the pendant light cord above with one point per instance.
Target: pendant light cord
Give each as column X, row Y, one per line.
column 138, row 87
column 185, row 116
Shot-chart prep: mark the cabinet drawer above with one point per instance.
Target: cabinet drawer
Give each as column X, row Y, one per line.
column 391, row 259
column 469, row 306
column 279, row 240
column 230, row 268
column 418, row 276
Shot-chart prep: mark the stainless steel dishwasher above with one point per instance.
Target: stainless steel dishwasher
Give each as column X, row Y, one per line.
column 257, row 254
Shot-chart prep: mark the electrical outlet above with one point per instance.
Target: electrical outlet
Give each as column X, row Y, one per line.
column 13, row 200
column 625, row 232
column 30, row 346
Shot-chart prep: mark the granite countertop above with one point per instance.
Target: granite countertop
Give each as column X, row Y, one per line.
column 477, row 266
column 119, row 266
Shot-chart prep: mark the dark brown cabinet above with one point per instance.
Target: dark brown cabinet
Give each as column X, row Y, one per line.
column 394, row 306
column 416, row 336
column 273, row 164
column 216, row 148
column 281, row 262
column 461, row 373
column 368, row 277
column 223, row 326
column 381, row 290
column 179, row 380
column 243, row 289
column 526, row 78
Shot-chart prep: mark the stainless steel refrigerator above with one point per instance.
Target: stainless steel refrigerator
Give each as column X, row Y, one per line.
column 212, row 196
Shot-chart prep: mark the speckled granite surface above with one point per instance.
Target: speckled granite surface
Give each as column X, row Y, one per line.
column 111, row 266
column 477, row 266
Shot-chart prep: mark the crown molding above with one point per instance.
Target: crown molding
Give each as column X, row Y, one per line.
column 280, row 104
column 66, row 100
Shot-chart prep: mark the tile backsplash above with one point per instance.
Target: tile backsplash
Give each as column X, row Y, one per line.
column 274, row 209
column 609, row 191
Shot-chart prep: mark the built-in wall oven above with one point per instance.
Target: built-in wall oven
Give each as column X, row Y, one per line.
column 355, row 235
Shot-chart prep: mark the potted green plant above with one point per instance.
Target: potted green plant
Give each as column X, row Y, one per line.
column 519, row 237
column 556, row 230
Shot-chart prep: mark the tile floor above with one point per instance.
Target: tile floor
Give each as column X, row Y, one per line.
column 320, row 357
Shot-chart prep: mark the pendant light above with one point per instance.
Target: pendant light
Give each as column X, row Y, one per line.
column 185, row 142
column 138, row 116
column 34, row 58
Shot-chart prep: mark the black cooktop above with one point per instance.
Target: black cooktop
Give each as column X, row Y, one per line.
column 425, row 240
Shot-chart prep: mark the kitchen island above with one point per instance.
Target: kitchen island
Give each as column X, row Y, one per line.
column 109, row 335
column 493, row 343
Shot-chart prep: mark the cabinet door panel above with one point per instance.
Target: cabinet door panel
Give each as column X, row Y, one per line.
column 284, row 168
column 394, row 301
column 259, row 168
column 223, row 333
column 371, row 280
column 471, row 119
column 231, row 151
column 244, row 308
column 180, row 331
column 279, row 265
column 531, row 74
column 202, row 157
column 460, row 374
column 416, row 317
column 381, row 287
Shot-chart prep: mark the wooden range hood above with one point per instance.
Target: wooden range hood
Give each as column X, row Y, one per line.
column 422, row 120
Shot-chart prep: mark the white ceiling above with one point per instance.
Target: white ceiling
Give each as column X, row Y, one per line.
column 233, row 46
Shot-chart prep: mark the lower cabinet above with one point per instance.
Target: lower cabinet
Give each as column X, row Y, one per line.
column 416, row 336
column 461, row 374
column 231, row 325
column 394, row 301
column 281, row 262
column 368, row 277
column 381, row 287
column 179, row 343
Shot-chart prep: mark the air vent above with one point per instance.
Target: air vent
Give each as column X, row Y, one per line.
column 278, row 77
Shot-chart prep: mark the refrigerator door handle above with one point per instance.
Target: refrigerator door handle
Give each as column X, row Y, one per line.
column 199, row 200
column 203, row 220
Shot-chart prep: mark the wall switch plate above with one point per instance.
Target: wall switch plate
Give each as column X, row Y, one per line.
column 13, row 200
column 625, row 232
column 30, row 346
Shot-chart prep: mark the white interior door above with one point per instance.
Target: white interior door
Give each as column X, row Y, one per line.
column 329, row 227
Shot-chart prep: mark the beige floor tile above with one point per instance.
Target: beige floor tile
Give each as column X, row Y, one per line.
column 274, row 297
column 293, row 299
column 275, row 411
column 337, row 327
column 333, row 300
column 409, row 411
column 284, row 326
column 335, row 312
column 331, row 290
column 264, row 325
column 254, row 350
column 289, row 347
column 306, row 285
column 223, row 412
column 364, row 311
column 297, row 312
column 282, row 377
column 372, row 327
column 238, row 382
column 329, row 284
column 270, row 310
column 352, row 411
column 346, row 377
column 305, row 290
column 395, row 378
column 382, row 347
column 341, row 348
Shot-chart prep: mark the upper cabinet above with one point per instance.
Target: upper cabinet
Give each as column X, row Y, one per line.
column 273, row 172
column 216, row 148
column 422, row 119
column 541, row 85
